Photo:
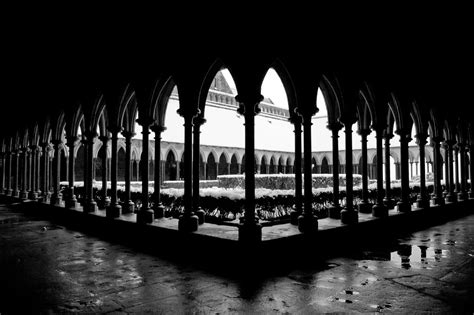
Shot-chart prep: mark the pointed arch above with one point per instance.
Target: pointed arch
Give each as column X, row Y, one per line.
column 332, row 95
column 288, row 84
column 59, row 123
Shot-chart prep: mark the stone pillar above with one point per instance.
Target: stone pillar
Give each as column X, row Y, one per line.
column 388, row 202
column 364, row 205
column 450, row 187
column 24, row 174
column 128, row 206
column 307, row 222
column 437, row 197
column 422, row 200
column 56, row 197
column 2, row 179
column 228, row 169
column 296, row 121
column 250, row 231
column 32, row 194
column 379, row 209
column 38, row 172
column 471, row 170
column 456, row 171
column 145, row 214
column 462, row 195
column 239, row 168
column 45, row 182
column 9, row 174
column 404, row 204
column 16, row 175
column 114, row 210
column 335, row 208
column 349, row 215
column 158, row 208
column 90, row 205
column 198, row 121
column 105, row 200
column 71, row 201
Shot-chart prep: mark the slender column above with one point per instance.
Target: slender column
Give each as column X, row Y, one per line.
column 462, row 195
column 335, row 208
column 24, row 192
column 16, row 175
column 307, row 222
column 364, row 205
column 349, row 215
column 456, row 171
column 32, row 194
column 388, row 202
column 56, row 198
column 228, row 168
column 296, row 120
column 38, row 172
column 250, row 231
column 404, row 204
column 2, row 180
column 416, row 169
column 128, row 206
column 451, row 193
column 71, row 201
column 158, row 208
column 379, row 209
column 198, row 121
column 105, row 200
column 411, row 170
column 145, row 214
column 471, row 170
column 239, row 168
column 114, row 210
column 45, row 182
column 9, row 174
column 90, row 204
column 437, row 197
column 422, row 200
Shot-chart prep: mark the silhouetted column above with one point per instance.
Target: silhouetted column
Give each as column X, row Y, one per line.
column 364, row 205
column 45, row 183
column 379, row 209
column 16, row 175
column 198, row 121
column 90, row 205
column 32, row 194
column 145, row 214
column 471, row 170
column 389, row 203
column 422, row 200
column 462, row 195
column 437, row 197
column 37, row 177
column 404, row 204
column 56, row 197
column 349, row 215
column 71, row 201
column 114, row 210
column 335, row 208
column 104, row 199
column 307, row 222
column 456, row 169
column 296, row 121
column 128, row 206
column 158, row 208
column 250, row 231
column 8, row 183
column 449, row 182
column 24, row 173
column 2, row 179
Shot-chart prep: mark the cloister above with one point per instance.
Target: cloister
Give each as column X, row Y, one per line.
column 101, row 119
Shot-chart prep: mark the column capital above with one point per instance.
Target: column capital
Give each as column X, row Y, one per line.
column 71, row 140
column 421, row 138
column 158, row 128
column 198, row 121
column 146, row 121
column 188, row 114
column 437, row 139
column 33, row 147
column 364, row 132
column 128, row 134
column 295, row 118
column 388, row 136
column 335, row 126
column 114, row 129
column 104, row 138
column 56, row 142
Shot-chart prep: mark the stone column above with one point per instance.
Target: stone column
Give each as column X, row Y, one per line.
column 437, row 197
column 105, row 200
column 422, row 200
column 335, row 208
column 456, row 171
column 404, row 204
column 45, row 183
column 32, row 194
column 38, row 172
column 250, row 231
column 451, row 193
column 71, row 201
column 24, row 192
column 379, row 209
column 198, row 121
column 90, row 205
column 388, row 202
column 9, row 174
column 349, row 215
column 2, row 179
column 462, row 195
column 296, row 121
column 16, row 175
column 128, row 206
column 56, row 197
column 158, row 208
column 471, row 170
column 145, row 214
column 364, row 205
column 239, row 168
column 114, row 210
column 228, row 169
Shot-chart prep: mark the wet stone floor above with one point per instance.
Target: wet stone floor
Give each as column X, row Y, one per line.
column 46, row 267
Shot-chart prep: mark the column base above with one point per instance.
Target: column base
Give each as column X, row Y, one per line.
column 349, row 216
column 23, row 194
column 46, row 198
column 437, row 201
column 104, row 204
column 462, row 196
column 403, row 206
column 334, row 212
column 365, row 207
column 188, row 223
column 159, row 210
column 32, row 195
column 16, row 194
column 250, row 233
column 201, row 215
column 389, row 203
column 71, row 202
column 57, row 200
column 307, row 223
column 422, row 203
column 9, row 192
column 145, row 216
column 128, row 207
column 90, row 207
column 451, row 197
column 113, row 211
column 294, row 217
column 379, row 211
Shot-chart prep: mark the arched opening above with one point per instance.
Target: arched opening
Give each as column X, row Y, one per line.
column 281, row 166
column 101, row 154
column 181, row 168
column 314, row 166
column 373, row 168
column 324, row 166
column 263, row 165
column 272, row 166
column 79, row 163
column 64, row 163
column 202, row 168
column 170, row 167
column 121, row 165
column 223, row 169
column 211, row 167
column 234, row 167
